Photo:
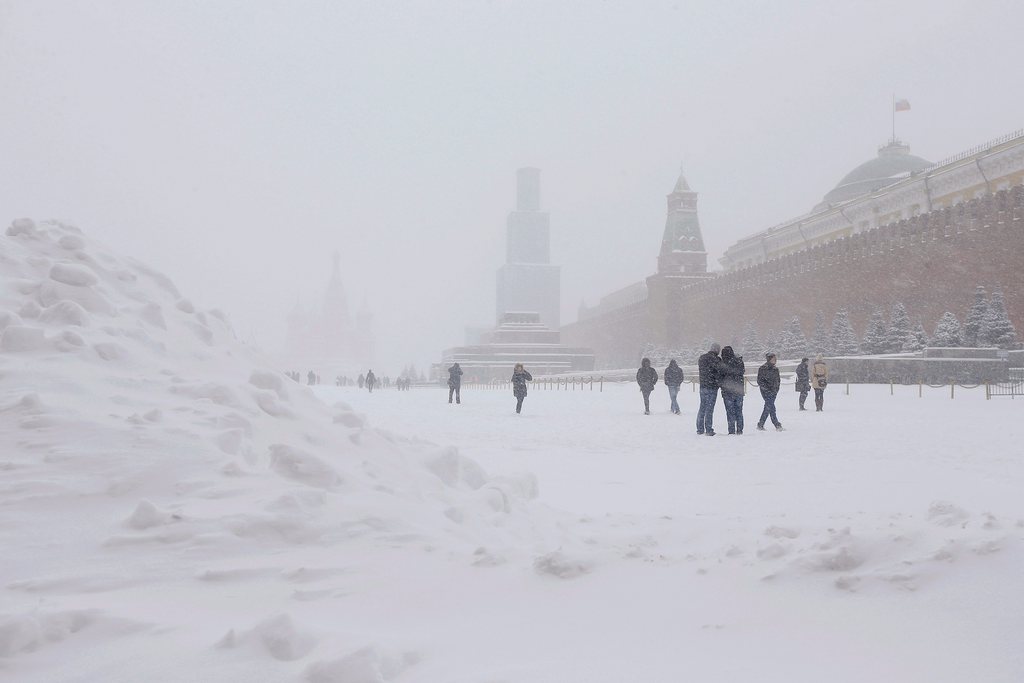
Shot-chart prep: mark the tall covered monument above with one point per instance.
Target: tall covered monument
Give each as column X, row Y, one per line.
column 682, row 261
column 528, row 282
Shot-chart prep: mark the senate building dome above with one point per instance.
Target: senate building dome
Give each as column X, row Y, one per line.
column 894, row 161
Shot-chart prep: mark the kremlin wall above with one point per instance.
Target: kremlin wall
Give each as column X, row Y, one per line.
column 896, row 229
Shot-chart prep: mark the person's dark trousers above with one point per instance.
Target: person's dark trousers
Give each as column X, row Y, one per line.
column 454, row 390
column 819, row 399
column 673, row 393
column 803, row 397
column 519, row 403
column 733, row 411
column 769, row 409
column 647, row 401
column 706, row 412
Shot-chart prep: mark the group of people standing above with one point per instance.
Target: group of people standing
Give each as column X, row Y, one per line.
column 721, row 368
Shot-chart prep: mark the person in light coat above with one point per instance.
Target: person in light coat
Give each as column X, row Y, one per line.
column 819, row 380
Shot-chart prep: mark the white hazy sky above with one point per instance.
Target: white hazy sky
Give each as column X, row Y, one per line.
column 235, row 144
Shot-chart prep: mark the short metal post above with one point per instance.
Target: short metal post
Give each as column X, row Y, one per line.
column 952, row 388
column 847, row 388
column 892, row 387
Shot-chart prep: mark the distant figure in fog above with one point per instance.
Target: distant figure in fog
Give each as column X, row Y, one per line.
column 803, row 383
column 371, row 380
column 520, row 376
column 708, row 368
column 310, row 378
column 768, row 381
column 454, row 383
column 361, row 380
column 731, row 379
column 646, row 377
column 673, row 380
column 820, row 381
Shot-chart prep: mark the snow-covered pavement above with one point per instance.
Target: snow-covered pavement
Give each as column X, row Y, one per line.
column 879, row 540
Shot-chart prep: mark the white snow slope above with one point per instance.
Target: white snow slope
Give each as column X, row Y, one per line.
column 173, row 509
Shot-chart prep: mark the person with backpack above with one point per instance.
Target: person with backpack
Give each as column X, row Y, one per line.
column 732, row 380
column 455, row 383
column 768, row 381
column 803, row 384
column 673, row 380
column 520, row 376
column 820, row 381
column 646, row 377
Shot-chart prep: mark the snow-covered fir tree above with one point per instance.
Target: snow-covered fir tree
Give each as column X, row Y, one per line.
column 821, row 342
column 844, row 339
column 916, row 339
column 792, row 342
column 899, row 328
column 771, row 343
column 751, row 346
column 975, row 329
column 948, row 332
column 999, row 327
column 876, row 338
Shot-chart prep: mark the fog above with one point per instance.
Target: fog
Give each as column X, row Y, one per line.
column 235, row 145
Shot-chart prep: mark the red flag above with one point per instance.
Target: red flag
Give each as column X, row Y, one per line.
column 902, row 105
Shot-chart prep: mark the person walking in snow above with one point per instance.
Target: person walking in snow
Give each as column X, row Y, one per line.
column 768, row 381
column 361, row 380
column 646, row 377
column 520, row 376
column 803, row 383
column 708, row 367
column 732, row 369
column 455, row 383
column 371, row 380
column 819, row 382
column 673, row 380
column 310, row 378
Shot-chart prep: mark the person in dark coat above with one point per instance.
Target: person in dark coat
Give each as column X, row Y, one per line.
column 732, row 382
column 455, row 383
column 803, row 381
column 371, row 380
column 673, row 380
column 520, row 376
column 708, row 367
column 768, row 381
column 646, row 377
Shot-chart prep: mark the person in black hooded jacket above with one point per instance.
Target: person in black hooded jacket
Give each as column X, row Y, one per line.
column 673, row 380
column 731, row 373
column 708, row 366
column 768, row 381
column 646, row 377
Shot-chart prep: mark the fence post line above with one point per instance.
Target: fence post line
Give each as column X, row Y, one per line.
column 952, row 388
column 920, row 389
column 847, row 388
column 601, row 390
column 892, row 387
column 988, row 392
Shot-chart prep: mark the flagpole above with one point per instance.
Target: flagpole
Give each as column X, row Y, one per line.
column 894, row 117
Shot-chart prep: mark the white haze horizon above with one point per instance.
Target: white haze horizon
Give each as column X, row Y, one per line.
column 235, row 145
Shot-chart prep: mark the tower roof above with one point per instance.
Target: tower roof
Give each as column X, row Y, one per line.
column 681, row 184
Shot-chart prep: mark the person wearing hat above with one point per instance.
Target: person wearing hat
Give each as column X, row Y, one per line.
column 768, row 381
column 803, row 381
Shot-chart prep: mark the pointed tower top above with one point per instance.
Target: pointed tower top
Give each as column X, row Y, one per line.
column 681, row 184
column 336, row 273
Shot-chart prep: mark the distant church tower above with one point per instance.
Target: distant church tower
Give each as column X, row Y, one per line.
column 528, row 282
column 682, row 245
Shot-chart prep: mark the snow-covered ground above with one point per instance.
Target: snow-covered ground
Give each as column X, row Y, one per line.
column 173, row 509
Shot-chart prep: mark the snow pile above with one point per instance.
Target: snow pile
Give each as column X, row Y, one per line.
column 155, row 451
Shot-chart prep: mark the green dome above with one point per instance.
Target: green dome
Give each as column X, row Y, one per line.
column 894, row 161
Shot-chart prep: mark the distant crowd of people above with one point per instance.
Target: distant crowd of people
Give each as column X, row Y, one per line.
column 717, row 369
column 369, row 381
